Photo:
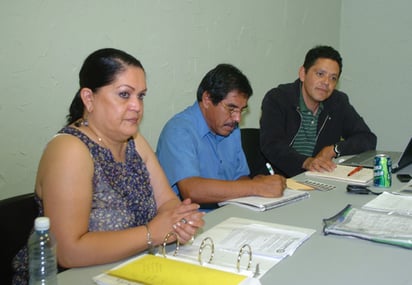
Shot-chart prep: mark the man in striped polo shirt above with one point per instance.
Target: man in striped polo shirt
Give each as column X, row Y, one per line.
column 307, row 123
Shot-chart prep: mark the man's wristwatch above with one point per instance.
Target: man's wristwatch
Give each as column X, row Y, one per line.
column 336, row 150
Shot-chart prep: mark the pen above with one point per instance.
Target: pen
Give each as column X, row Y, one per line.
column 270, row 169
column 357, row 169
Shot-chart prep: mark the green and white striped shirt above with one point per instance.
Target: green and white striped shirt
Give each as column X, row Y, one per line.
column 305, row 139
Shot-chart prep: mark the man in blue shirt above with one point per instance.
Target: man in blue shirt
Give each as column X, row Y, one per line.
column 200, row 148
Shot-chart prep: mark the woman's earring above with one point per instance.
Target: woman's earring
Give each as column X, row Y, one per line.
column 82, row 122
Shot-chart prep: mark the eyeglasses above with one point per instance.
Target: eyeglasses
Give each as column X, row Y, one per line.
column 232, row 110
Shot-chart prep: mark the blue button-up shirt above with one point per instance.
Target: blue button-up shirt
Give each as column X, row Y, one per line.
column 187, row 148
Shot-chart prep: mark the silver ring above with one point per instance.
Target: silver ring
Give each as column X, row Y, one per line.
column 183, row 221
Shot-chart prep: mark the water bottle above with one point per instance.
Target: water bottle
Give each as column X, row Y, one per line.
column 42, row 254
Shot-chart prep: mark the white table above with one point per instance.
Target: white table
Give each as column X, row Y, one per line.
column 321, row 259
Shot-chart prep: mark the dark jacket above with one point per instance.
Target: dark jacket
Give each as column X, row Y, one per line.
column 338, row 123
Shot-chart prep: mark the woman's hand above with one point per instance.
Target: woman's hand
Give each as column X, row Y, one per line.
column 189, row 222
column 183, row 219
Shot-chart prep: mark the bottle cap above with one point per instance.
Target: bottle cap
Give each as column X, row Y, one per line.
column 42, row 223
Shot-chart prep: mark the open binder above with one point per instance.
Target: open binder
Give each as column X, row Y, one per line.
column 236, row 251
column 376, row 226
column 156, row 269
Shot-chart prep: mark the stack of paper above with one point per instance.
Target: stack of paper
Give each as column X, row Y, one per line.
column 386, row 219
column 269, row 240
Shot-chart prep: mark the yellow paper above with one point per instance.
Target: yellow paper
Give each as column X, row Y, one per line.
column 292, row 184
column 151, row 269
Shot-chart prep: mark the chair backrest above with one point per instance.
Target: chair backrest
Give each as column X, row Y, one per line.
column 251, row 148
column 17, row 215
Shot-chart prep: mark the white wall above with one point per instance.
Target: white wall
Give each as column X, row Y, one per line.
column 376, row 42
column 43, row 44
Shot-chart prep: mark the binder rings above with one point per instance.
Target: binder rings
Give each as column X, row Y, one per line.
column 236, row 251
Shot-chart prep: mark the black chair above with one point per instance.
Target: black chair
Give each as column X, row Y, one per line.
column 17, row 215
column 251, row 148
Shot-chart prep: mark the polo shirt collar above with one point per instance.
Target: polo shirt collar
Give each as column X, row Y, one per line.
column 202, row 127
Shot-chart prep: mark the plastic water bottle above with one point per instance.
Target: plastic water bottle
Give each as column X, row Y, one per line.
column 42, row 254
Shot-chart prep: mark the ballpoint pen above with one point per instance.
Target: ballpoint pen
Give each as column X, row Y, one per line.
column 357, row 169
column 270, row 169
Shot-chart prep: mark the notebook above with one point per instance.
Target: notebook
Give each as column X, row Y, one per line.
column 340, row 173
column 263, row 204
column 366, row 159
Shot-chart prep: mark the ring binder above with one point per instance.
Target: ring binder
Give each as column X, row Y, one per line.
column 202, row 246
column 208, row 242
column 227, row 241
column 241, row 252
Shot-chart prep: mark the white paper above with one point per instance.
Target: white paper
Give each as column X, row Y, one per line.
column 388, row 202
column 363, row 177
column 377, row 224
column 258, row 203
column 270, row 243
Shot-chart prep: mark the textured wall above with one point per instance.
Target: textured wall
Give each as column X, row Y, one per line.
column 43, row 44
column 376, row 38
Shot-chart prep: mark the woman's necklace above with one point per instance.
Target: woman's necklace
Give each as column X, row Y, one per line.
column 100, row 140
column 86, row 124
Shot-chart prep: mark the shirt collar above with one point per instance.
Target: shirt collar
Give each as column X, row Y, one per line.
column 203, row 128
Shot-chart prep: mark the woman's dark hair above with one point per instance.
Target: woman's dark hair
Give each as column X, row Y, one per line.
column 322, row 52
column 99, row 69
column 221, row 80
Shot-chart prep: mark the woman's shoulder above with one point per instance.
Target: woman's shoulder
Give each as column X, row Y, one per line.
column 66, row 144
column 64, row 157
column 68, row 135
column 142, row 146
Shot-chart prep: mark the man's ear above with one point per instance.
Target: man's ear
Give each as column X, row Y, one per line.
column 206, row 101
column 302, row 73
column 87, row 97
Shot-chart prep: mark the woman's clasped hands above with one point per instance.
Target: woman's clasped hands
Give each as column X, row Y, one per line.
column 184, row 220
column 190, row 219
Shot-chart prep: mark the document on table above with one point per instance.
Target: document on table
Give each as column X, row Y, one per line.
column 269, row 243
column 363, row 176
column 388, row 228
column 266, row 239
column 388, row 202
column 258, row 203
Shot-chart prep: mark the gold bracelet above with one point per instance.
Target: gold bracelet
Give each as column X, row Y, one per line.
column 150, row 246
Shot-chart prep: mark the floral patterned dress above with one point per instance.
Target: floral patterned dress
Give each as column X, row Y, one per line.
column 122, row 195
